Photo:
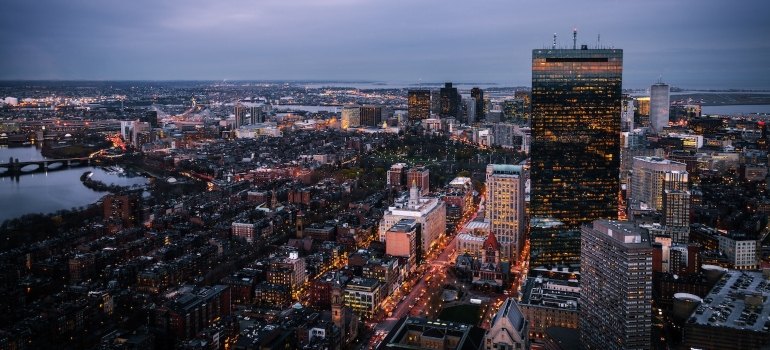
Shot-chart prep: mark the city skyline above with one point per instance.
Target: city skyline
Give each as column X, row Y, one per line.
column 689, row 44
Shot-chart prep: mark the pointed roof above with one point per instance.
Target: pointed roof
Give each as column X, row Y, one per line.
column 491, row 241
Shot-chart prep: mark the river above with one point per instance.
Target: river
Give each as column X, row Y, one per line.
column 47, row 192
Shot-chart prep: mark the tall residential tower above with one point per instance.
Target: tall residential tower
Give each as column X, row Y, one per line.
column 575, row 148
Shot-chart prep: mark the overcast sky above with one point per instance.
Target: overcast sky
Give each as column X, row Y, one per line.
column 696, row 44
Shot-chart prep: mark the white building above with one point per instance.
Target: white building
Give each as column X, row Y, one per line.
column 659, row 104
column 505, row 207
column 430, row 212
column 653, row 175
column 742, row 251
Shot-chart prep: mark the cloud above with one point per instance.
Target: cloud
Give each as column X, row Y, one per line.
column 372, row 39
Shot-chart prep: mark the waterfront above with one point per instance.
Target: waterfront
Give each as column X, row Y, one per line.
column 735, row 110
column 47, row 192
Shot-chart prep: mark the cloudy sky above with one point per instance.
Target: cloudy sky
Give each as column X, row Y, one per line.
column 696, row 44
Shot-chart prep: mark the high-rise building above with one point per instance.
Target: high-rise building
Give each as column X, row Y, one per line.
column 478, row 95
column 676, row 215
column 642, row 114
column 615, row 286
column 449, row 105
column 505, row 207
column 418, row 105
column 396, row 176
column 350, row 117
column 652, row 175
column 527, row 97
column 371, row 115
column 469, row 110
column 659, row 104
column 435, row 102
column 627, row 114
column 248, row 113
column 575, row 148
column 122, row 207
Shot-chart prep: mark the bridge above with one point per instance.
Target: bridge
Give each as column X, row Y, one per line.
column 16, row 167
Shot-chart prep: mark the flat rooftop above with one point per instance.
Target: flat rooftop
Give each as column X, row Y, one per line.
column 739, row 300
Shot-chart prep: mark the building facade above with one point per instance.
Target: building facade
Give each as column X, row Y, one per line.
column 575, row 148
column 505, row 207
column 616, row 286
column 418, row 105
column 659, row 105
column 652, row 175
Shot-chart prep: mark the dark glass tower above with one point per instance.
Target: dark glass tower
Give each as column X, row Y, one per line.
column 450, row 102
column 419, row 105
column 575, row 148
column 478, row 95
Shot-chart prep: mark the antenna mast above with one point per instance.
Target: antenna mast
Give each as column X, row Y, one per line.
column 554, row 41
column 574, row 39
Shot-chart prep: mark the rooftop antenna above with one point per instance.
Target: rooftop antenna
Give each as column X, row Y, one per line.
column 554, row 40
column 599, row 40
column 574, row 39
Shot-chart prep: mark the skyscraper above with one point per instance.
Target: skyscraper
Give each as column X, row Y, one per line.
column 418, row 104
column 575, row 148
column 505, row 206
column 371, row 115
column 653, row 175
column 659, row 104
column 450, row 102
column 478, row 95
column 615, row 286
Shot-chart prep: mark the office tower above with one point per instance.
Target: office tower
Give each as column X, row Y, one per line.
column 527, row 97
column 514, row 111
column 505, row 207
column 450, row 102
column 435, row 102
column 642, row 115
column 150, row 117
column 371, row 115
column 651, row 176
column 478, row 95
column 659, row 104
column 418, row 105
column 419, row 175
column 350, row 117
column 627, row 114
column 616, row 286
column 508, row 329
column 676, row 215
column 469, row 110
column 575, row 148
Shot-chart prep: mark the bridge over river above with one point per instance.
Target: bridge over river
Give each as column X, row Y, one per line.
column 15, row 167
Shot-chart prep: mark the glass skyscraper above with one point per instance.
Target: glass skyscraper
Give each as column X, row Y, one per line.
column 575, row 148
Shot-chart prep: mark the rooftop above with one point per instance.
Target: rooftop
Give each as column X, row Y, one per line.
column 738, row 301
